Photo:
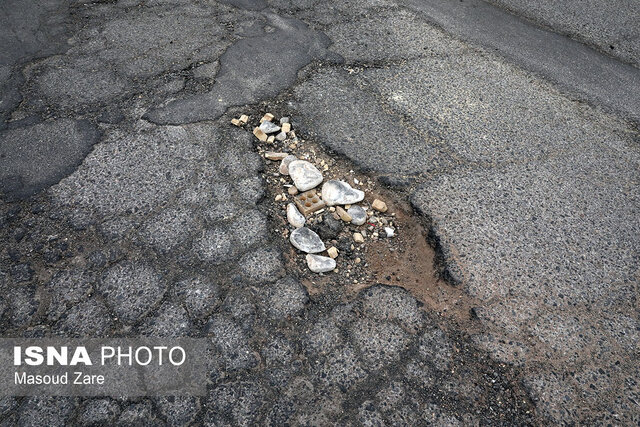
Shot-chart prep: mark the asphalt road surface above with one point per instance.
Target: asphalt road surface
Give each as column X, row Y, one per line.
column 130, row 206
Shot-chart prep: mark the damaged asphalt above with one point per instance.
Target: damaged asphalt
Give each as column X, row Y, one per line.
column 132, row 207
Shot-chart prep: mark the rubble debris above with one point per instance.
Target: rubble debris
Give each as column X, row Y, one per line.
column 236, row 122
column 284, row 120
column 286, row 127
column 390, row 231
column 358, row 238
column 340, row 193
column 267, row 118
column 272, row 155
column 293, row 190
column 358, row 215
column 269, row 127
column 333, row 252
column 306, row 240
column 305, row 175
column 260, row 134
column 309, row 202
column 244, row 119
column 281, row 136
column 294, row 216
column 271, row 139
column 343, row 214
column 379, row 205
column 284, row 166
column 278, row 198
column 320, row 264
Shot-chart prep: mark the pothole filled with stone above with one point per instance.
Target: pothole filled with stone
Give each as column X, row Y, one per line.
column 326, row 217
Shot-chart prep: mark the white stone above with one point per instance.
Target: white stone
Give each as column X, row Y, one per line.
column 269, row 127
column 320, row 264
column 390, row 231
column 294, row 216
column 305, row 176
column 284, row 165
column 306, row 240
column 358, row 215
column 340, row 193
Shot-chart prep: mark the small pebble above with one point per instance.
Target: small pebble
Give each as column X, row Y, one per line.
column 266, row 118
column 284, row 120
column 333, row 252
column 286, row 127
column 343, row 214
column 272, row 155
column 268, row 127
column 358, row 215
column 292, row 190
column 358, row 260
column 379, row 205
column 294, row 216
column 390, row 231
column 278, row 197
column 320, row 264
column 358, row 238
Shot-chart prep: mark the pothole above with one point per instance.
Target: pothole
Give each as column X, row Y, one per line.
column 399, row 256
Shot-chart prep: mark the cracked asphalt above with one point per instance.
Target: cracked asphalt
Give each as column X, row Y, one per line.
column 130, row 206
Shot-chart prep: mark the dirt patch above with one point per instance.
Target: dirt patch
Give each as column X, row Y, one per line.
column 406, row 259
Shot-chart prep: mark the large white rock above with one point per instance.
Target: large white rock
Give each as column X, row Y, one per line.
column 305, row 176
column 294, row 216
column 320, row 264
column 306, row 240
column 340, row 193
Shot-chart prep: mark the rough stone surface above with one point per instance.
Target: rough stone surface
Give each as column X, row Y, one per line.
column 143, row 209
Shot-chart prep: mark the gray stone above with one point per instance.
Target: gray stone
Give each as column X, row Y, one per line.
column 358, row 215
column 178, row 410
column 269, row 127
column 285, row 298
column 131, row 289
column 45, row 411
column 294, row 216
column 281, row 136
column 87, row 319
column 340, row 193
column 284, row 165
column 98, row 411
column 201, row 296
column 320, row 264
column 261, row 266
column 305, row 175
column 306, row 240
column 169, row 321
column 35, row 157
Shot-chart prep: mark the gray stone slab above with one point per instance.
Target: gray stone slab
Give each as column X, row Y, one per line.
column 587, row 73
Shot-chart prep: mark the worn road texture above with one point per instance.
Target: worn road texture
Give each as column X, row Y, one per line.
column 131, row 207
